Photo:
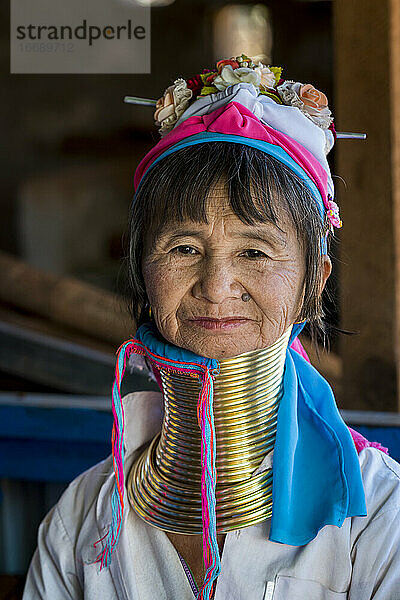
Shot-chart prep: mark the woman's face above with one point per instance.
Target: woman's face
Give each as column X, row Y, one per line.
column 195, row 275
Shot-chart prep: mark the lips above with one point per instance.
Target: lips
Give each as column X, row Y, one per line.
column 219, row 324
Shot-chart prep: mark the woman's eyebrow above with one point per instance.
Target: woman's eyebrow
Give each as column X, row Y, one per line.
column 277, row 238
column 168, row 233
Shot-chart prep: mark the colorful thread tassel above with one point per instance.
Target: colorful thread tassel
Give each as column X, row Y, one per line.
column 205, row 417
column 110, row 539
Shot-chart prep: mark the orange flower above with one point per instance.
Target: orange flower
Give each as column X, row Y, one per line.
column 312, row 97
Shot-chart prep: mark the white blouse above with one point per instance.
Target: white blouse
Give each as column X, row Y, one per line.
column 358, row 561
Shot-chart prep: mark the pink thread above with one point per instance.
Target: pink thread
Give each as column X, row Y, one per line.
column 361, row 442
column 299, row 348
column 208, row 485
column 111, row 538
column 333, row 213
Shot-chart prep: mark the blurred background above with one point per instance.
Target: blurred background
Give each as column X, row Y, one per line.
column 68, row 153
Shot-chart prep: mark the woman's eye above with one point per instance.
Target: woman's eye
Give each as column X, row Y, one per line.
column 252, row 253
column 185, row 250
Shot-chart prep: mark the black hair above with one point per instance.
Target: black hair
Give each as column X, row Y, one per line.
column 259, row 187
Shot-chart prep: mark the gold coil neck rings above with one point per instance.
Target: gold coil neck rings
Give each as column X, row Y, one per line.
column 164, row 483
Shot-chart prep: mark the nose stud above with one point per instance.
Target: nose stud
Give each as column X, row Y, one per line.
column 245, row 297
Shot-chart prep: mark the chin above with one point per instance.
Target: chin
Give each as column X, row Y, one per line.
column 215, row 347
column 225, row 343
column 217, row 343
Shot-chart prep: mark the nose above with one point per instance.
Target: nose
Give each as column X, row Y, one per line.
column 217, row 281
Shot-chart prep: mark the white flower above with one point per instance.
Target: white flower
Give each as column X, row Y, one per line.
column 172, row 105
column 267, row 77
column 293, row 93
column 230, row 76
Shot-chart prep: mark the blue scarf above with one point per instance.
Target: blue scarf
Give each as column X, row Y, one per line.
column 316, row 473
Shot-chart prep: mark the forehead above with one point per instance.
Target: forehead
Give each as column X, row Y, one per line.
column 218, row 208
column 217, row 205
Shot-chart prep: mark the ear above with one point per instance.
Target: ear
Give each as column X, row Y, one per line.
column 326, row 271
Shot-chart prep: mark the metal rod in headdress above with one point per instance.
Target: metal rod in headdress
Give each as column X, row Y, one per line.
column 343, row 135
column 347, row 135
column 142, row 101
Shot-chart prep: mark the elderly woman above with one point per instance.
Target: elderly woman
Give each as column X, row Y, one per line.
column 239, row 480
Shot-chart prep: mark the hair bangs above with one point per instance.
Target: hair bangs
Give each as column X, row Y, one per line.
column 186, row 180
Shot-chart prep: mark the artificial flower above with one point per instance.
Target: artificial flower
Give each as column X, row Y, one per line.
column 228, row 61
column 267, row 77
column 230, row 76
column 313, row 97
column 312, row 103
column 195, row 84
column 244, row 61
column 173, row 103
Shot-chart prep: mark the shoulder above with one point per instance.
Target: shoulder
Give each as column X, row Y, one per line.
column 73, row 525
column 83, row 493
column 82, row 515
column 381, row 479
column 66, row 537
column 87, row 498
column 375, row 539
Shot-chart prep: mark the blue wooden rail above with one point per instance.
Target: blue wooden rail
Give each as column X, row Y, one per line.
column 53, row 438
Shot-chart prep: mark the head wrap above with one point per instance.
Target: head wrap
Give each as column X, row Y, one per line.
column 284, row 119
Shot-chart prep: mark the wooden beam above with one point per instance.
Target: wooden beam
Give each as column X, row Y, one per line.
column 62, row 363
column 64, row 300
column 395, row 108
column 365, row 51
